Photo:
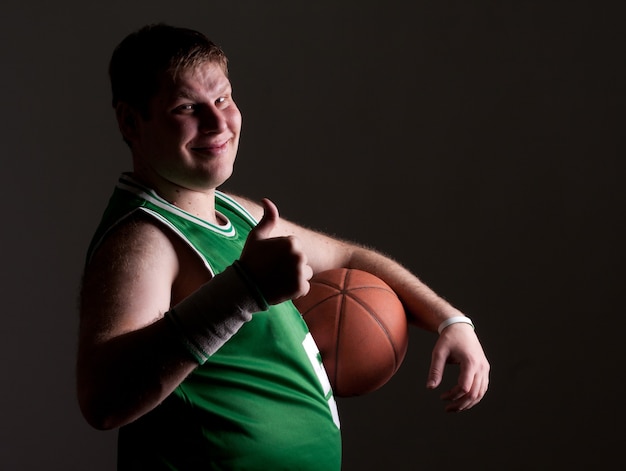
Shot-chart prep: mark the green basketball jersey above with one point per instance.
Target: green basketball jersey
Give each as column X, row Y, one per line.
column 262, row 401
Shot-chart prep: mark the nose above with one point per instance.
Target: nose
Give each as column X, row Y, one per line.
column 212, row 120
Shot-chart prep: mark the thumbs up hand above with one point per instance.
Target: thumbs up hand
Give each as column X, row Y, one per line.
column 277, row 265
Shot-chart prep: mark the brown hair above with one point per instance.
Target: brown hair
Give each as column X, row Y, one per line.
column 145, row 57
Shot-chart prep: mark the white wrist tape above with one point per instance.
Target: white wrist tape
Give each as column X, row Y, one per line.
column 211, row 315
column 454, row 320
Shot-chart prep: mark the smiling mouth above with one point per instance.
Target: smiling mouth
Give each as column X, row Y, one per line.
column 212, row 148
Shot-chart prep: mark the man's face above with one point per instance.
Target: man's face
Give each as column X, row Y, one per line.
column 190, row 138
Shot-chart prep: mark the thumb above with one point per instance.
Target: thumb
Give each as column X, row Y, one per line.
column 268, row 222
column 435, row 372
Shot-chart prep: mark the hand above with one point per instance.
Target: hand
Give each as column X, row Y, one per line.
column 278, row 265
column 458, row 344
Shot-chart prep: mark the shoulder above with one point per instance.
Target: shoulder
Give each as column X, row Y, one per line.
column 128, row 282
column 137, row 237
column 253, row 207
column 284, row 227
column 136, row 245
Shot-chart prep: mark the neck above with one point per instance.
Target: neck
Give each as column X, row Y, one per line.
column 200, row 203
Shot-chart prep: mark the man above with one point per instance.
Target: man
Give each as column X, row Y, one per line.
column 188, row 339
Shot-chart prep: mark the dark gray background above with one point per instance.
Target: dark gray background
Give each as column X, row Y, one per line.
column 481, row 143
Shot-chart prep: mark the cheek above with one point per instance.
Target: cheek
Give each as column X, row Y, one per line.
column 176, row 131
column 235, row 120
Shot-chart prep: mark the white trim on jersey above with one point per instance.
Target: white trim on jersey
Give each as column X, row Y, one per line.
column 129, row 184
column 230, row 201
column 180, row 234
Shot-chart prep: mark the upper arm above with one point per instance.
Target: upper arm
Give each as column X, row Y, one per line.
column 128, row 283
column 128, row 359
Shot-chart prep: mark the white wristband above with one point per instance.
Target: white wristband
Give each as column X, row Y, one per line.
column 210, row 316
column 454, row 320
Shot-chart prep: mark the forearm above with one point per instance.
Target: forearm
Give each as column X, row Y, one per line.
column 126, row 376
column 424, row 307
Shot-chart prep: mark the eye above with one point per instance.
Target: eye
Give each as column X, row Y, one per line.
column 185, row 108
column 220, row 101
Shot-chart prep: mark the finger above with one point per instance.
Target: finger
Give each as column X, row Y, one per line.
column 477, row 393
column 462, row 388
column 308, row 272
column 482, row 384
column 305, row 286
column 268, row 222
column 461, row 400
column 457, row 401
column 435, row 372
column 464, row 383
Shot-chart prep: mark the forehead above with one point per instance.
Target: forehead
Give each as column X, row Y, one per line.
column 207, row 77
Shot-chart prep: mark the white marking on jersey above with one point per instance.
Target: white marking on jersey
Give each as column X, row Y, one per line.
column 310, row 347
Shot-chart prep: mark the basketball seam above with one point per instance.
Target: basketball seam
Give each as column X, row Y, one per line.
column 338, row 343
column 369, row 310
column 338, row 284
column 346, row 292
column 341, row 290
column 322, row 301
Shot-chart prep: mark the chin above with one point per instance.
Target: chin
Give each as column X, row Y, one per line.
column 215, row 177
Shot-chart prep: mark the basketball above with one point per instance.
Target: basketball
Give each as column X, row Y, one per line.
column 360, row 327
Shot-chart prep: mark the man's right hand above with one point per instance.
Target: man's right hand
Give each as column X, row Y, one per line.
column 277, row 265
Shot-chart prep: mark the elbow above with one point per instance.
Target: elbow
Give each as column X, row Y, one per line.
column 92, row 401
column 97, row 412
column 100, row 406
column 99, row 400
column 105, row 408
column 103, row 413
column 99, row 423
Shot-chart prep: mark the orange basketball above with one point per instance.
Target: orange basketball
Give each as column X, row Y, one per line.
column 360, row 327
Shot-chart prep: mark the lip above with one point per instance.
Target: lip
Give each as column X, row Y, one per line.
column 212, row 147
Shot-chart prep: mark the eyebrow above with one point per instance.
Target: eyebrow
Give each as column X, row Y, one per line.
column 189, row 94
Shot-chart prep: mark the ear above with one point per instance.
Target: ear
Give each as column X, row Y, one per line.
column 127, row 120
